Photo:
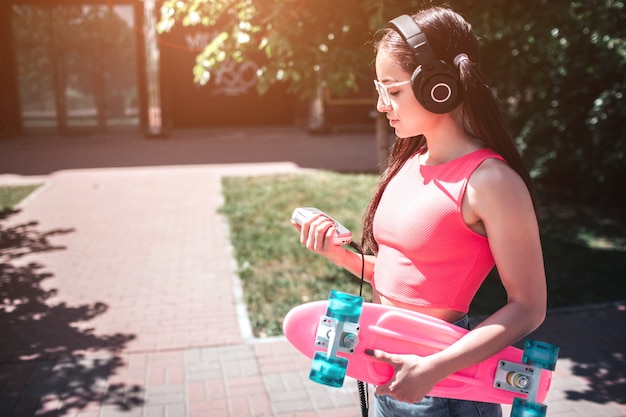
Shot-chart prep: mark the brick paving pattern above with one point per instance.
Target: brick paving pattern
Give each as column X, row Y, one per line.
column 124, row 301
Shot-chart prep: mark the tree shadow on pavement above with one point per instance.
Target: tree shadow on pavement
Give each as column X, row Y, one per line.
column 49, row 364
column 593, row 338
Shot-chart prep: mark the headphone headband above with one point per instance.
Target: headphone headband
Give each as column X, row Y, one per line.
column 414, row 37
column 434, row 82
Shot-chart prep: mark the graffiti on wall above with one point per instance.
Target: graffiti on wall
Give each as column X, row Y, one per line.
column 233, row 78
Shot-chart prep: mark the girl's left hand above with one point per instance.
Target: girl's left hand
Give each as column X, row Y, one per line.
column 413, row 378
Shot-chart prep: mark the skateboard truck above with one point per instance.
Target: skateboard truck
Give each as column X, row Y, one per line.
column 524, row 378
column 337, row 336
column 337, row 331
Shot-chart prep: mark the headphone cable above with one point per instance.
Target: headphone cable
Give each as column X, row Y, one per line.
column 363, row 388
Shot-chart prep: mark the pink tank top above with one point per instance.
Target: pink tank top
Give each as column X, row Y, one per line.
column 427, row 255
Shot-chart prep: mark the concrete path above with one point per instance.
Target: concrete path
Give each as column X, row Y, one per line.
column 119, row 294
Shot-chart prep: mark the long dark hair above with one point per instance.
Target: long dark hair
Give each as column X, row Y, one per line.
column 448, row 35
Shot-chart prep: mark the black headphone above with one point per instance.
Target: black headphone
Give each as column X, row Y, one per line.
column 435, row 83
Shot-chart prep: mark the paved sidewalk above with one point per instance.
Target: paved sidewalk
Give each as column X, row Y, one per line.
column 120, row 296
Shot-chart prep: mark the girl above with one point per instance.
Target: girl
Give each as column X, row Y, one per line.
column 455, row 200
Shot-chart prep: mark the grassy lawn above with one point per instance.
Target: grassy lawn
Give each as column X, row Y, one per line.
column 10, row 196
column 584, row 249
column 276, row 271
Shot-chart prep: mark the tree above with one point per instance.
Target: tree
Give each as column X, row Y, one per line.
column 557, row 67
column 306, row 42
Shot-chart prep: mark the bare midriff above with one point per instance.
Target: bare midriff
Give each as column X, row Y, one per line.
column 451, row 316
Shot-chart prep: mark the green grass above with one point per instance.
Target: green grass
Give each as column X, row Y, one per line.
column 276, row 271
column 584, row 249
column 10, row 196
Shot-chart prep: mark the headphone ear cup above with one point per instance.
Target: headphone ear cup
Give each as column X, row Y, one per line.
column 437, row 89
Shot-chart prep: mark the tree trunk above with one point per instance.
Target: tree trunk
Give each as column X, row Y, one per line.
column 317, row 112
column 383, row 140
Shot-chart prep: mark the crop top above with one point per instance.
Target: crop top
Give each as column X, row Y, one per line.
column 427, row 255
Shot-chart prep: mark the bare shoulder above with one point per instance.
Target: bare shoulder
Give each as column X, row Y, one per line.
column 494, row 172
column 496, row 187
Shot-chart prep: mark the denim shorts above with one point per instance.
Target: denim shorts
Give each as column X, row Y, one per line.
column 385, row 406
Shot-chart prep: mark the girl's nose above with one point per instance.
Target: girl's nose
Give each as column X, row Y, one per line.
column 382, row 107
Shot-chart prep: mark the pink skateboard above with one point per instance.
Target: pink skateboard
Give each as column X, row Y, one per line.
column 336, row 333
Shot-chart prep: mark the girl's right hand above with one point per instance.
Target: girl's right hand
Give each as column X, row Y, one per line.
column 316, row 234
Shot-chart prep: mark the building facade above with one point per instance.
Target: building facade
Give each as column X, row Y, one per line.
column 76, row 66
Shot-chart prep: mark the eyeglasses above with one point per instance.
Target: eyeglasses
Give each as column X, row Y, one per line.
column 383, row 90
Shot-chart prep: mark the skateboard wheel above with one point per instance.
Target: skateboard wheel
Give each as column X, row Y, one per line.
column 344, row 307
column 523, row 408
column 349, row 341
column 540, row 354
column 518, row 380
column 328, row 371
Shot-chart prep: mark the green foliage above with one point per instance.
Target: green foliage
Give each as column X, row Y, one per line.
column 304, row 42
column 558, row 68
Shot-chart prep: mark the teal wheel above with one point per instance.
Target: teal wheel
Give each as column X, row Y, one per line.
column 523, row 408
column 540, row 354
column 344, row 307
column 328, row 371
